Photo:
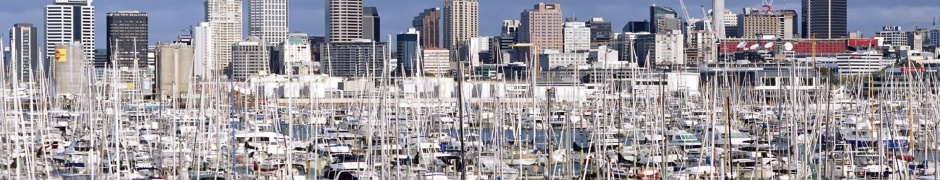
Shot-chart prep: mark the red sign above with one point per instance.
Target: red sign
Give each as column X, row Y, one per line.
column 904, row 69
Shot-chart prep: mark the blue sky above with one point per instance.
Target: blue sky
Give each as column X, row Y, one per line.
column 168, row 18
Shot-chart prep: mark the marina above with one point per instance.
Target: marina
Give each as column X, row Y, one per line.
column 787, row 123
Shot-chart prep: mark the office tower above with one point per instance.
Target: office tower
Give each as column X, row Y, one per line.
column 917, row 39
column 70, row 21
column 225, row 19
column 510, row 27
column 68, row 72
column 461, row 22
column 825, row 19
column 780, row 23
column 542, row 27
column 637, row 27
column 577, row 37
column 371, row 24
column 127, row 39
column 664, row 48
column 429, row 24
column 268, row 20
column 204, row 51
column 174, row 70
column 600, row 30
column 316, row 43
column 250, row 57
column 360, row 58
column 294, row 57
column 892, row 36
column 933, row 38
column 24, row 53
column 730, row 24
column 407, row 48
column 664, row 19
column 101, row 58
column 435, row 61
column 344, row 20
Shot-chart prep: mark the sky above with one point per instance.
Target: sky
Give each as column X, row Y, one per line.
column 169, row 18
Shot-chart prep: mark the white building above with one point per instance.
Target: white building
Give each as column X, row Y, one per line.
column 553, row 59
column 577, row 37
column 295, row 55
column 603, row 55
column 435, row 61
column 861, row 63
column 892, row 36
column 225, row 17
column 174, row 70
column 475, row 46
column 69, row 20
column 268, row 20
column 204, row 47
column 665, row 48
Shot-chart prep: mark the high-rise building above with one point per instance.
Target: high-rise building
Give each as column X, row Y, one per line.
column 127, row 39
column 637, row 27
column 542, row 27
column 204, row 50
column 174, row 70
column 435, row 61
column 343, row 20
column 101, row 58
column 825, row 19
column 600, row 30
column 371, row 24
column 664, row 48
column 360, row 58
column 70, row 21
column 268, row 20
column 461, row 22
column 429, row 24
column 664, row 19
column 780, row 23
column 316, row 42
column 68, row 72
column 730, row 24
column 294, row 57
column 407, row 52
column 225, row 19
column 24, row 52
column 577, row 37
column 250, row 57
column 510, row 27
column 917, row 39
column 933, row 38
column 892, row 36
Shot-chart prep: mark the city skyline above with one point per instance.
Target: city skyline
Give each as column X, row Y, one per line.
column 171, row 17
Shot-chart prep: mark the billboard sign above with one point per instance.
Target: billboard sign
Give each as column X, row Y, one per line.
column 61, row 55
